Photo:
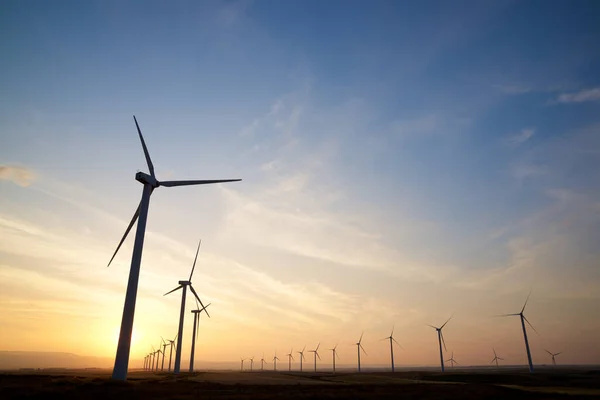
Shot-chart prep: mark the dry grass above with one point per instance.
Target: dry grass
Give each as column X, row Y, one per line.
column 283, row 385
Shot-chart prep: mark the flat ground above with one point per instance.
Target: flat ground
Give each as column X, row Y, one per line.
column 86, row 384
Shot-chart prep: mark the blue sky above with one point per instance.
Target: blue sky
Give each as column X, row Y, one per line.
column 395, row 155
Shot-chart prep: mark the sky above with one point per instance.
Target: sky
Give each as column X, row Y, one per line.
column 402, row 162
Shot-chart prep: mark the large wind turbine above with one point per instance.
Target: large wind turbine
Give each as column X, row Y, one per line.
column 196, row 313
column 452, row 360
column 334, row 355
column 183, row 285
column 301, row 357
column 251, row 363
column 359, row 347
column 523, row 320
column 496, row 358
column 262, row 362
column 275, row 359
column 553, row 355
column 392, row 341
column 316, row 351
column 150, row 183
column 243, row 359
column 441, row 340
column 290, row 358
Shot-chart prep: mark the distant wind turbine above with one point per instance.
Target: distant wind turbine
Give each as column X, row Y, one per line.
column 316, row 351
column 171, row 344
column 251, row 363
column 150, row 183
column 157, row 358
column 441, row 340
column 243, row 359
column 183, row 285
column 523, row 320
column 262, row 362
column 392, row 341
column 301, row 357
column 290, row 358
column 496, row 358
column 553, row 355
column 153, row 354
column 165, row 344
column 334, row 355
column 196, row 313
column 359, row 347
column 452, row 360
column 275, row 359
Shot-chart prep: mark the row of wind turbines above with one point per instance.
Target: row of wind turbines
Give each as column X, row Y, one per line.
column 392, row 340
column 150, row 183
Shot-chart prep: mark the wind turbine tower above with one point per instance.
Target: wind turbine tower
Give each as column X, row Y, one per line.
column 334, row 355
column 184, row 285
column 553, row 355
column 140, row 215
column 196, row 313
column 243, row 359
column 451, row 360
column 316, row 351
column 162, row 367
column 496, row 358
column 523, row 320
column 359, row 347
column 392, row 341
column 275, row 359
column 301, row 357
column 171, row 344
column 290, row 358
column 441, row 341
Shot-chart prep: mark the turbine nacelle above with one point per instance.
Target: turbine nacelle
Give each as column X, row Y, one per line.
column 146, row 179
column 184, row 282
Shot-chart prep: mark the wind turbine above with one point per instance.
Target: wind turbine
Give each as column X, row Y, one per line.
column 392, row 341
column 153, row 354
column 196, row 313
column 334, row 355
column 162, row 367
column 158, row 358
column 262, row 362
column 301, row 357
column 275, row 359
column 243, row 359
column 359, row 347
column 496, row 358
column 316, row 351
column 523, row 320
column 441, row 340
column 140, row 215
column 171, row 344
column 290, row 358
column 553, row 355
column 145, row 361
column 452, row 360
column 183, row 285
column 251, row 363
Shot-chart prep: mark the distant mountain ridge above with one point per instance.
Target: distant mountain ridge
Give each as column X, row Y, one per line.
column 49, row 359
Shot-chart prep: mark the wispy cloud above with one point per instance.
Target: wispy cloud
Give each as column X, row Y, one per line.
column 522, row 171
column 579, row 97
column 20, row 175
column 522, row 136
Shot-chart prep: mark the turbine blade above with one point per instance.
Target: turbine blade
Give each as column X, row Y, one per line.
column 492, row 360
column 535, row 330
column 194, row 266
column 560, row 352
column 506, row 315
column 318, row 355
column 196, row 295
column 204, row 309
column 363, row 349
column 524, row 305
column 500, row 358
column 547, row 351
column 148, row 160
column 361, row 335
column 446, row 322
column 434, row 327
column 397, row 343
column 136, row 214
column 393, row 327
column 318, row 346
column 200, row 182
column 177, row 288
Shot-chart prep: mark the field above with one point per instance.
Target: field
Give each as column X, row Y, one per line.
column 96, row 384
